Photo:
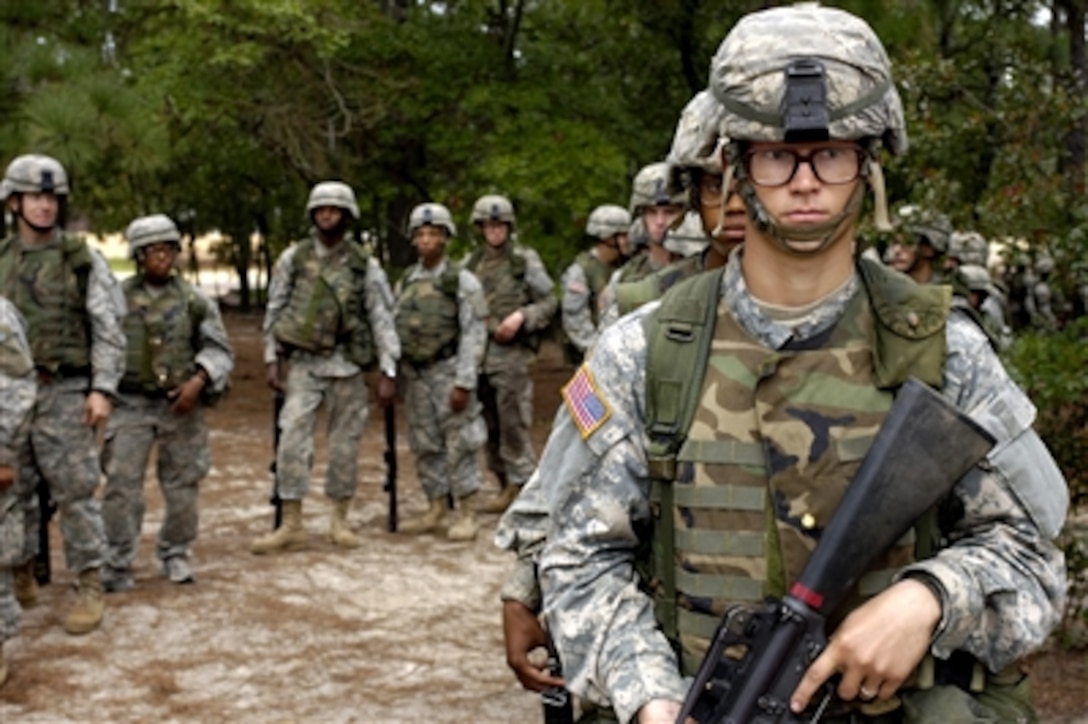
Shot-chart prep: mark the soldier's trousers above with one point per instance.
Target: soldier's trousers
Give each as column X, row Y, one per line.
column 506, row 395
column 11, row 553
column 137, row 425
column 345, row 403
column 445, row 443
column 64, row 452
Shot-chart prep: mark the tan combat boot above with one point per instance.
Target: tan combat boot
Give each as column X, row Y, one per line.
column 427, row 522
column 290, row 536
column 466, row 528
column 87, row 613
column 502, row 501
column 26, row 586
column 339, row 531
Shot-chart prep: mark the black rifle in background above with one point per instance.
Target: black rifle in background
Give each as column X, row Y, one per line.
column 275, row 500
column 760, row 653
column 557, row 702
column 43, row 570
column 391, row 465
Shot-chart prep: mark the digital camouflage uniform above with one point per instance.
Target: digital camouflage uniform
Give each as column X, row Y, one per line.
column 172, row 331
column 17, row 388
column 513, row 280
column 441, row 316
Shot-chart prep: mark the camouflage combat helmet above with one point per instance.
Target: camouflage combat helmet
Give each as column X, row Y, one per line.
column 807, row 73
column 493, row 207
column 35, row 173
column 930, row 226
column 431, row 214
column 970, row 247
column 333, row 193
column 688, row 238
column 651, row 188
column 148, row 230
column 975, row 278
column 697, row 145
column 608, row 220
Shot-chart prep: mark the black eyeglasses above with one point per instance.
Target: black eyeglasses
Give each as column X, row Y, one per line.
column 830, row 164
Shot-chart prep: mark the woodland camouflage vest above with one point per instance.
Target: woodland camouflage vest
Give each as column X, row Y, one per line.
column 162, row 335
column 505, row 288
column 427, row 318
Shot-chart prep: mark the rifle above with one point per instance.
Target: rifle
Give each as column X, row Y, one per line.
column 391, row 466
column 47, row 507
column 924, row 446
column 275, row 500
column 556, row 700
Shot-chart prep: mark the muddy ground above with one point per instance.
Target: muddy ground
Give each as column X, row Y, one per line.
column 401, row 630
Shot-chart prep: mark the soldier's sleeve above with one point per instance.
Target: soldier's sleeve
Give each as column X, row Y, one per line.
column 576, row 315
column 601, row 619
column 279, row 291
column 1001, row 578
column 105, row 308
column 472, row 316
column 539, row 312
column 215, row 355
column 608, row 302
column 18, row 385
column 379, row 309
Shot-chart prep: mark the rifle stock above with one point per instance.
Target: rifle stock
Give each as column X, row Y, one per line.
column 924, row 446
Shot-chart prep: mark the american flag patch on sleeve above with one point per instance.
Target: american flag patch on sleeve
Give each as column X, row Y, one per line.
column 585, row 404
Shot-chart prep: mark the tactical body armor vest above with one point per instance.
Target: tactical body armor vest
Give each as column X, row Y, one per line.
column 327, row 305
column 752, row 449
column 636, row 269
column 48, row 284
column 427, row 318
column 505, row 288
column 162, row 335
column 632, row 295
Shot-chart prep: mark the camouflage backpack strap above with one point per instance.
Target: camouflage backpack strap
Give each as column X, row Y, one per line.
column 679, row 334
column 518, row 265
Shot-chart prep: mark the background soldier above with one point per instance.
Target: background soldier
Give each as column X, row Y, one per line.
column 72, row 304
column 1040, row 295
column 329, row 315
column 441, row 318
column 800, row 356
column 178, row 360
column 585, row 279
column 521, row 302
column 658, row 205
column 981, row 296
column 19, row 387
column 918, row 248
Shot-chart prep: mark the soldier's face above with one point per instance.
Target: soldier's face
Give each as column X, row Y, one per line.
column 658, row 219
column 328, row 218
column 495, row 232
column 39, row 209
column 903, row 256
column 430, row 243
column 158, row 260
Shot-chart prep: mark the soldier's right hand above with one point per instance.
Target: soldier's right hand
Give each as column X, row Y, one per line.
column 272, row 376
column 522, row 633
column 7, row 477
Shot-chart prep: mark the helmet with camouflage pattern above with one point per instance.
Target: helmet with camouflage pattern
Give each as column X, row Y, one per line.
column 697, row 145
column 608, row 220
column 806, row 73
column 333, row 193
column 493, row 207
column 431, row 214
column 975, row 278
column 35, row 173
column 925, row 225
column 688, row 238
column 970, row 247
column 651, row 188
column 152, row 229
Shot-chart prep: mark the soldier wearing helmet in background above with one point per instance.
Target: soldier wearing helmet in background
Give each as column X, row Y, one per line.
column 695, row 428
column 980, row 298
column 72, row 306
column 329, row 319
column 521, row 303
column 918, row 249
column 179, row 360
column 584, row 280
column 967, row 247
column 441, row 317
column 1039, row 300
column 17, row 380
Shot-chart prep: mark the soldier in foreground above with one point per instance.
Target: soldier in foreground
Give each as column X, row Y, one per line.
column 72, row 306
column 18, row 385
column 441, row 317
column 520, row 302
column 179, row 360
column 329, row 319
column 796, row 375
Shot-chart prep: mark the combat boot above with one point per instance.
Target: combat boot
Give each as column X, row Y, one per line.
column 290, row 536
column 86, row 615
column 502, row 501
column 427, row 522
column 339, row 531
column 26, row 585
column 466, row 528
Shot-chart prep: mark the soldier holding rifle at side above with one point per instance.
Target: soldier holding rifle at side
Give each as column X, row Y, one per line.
column 795, row 352
column 329, row 318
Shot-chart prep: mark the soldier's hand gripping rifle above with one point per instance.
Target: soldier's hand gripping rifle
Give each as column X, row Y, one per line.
column 923, row 448
column 391, row 465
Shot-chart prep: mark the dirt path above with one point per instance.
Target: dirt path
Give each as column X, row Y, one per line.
column 401, row 630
